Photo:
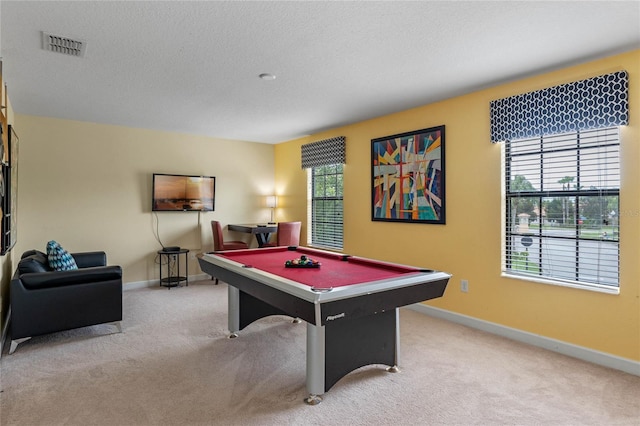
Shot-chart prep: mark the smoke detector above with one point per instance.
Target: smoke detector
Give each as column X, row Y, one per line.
column 62, row 44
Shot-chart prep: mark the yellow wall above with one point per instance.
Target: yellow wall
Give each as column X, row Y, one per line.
column 88, row 186
column 468, row 246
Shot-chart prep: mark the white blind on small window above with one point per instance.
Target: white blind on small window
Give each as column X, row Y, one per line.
column 562, row 207
column 326, row 206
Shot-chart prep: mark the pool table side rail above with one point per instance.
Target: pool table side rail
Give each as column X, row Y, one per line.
column 288, row 303
column 372, row 303
column 297, row 300
column 305, row 292
column 222, row 263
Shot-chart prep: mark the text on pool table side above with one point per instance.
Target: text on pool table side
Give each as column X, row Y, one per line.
column 335, row 317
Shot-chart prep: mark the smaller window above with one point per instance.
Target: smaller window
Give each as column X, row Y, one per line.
column 326, row 206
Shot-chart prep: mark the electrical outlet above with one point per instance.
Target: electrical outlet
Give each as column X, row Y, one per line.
column 464, row 286
column 192, row 255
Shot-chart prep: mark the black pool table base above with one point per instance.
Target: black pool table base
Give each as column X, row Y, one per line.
column 334, row 349
column 348, row 327
column 317, row 399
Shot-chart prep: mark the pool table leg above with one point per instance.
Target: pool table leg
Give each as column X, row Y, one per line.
column 394, row 368
column 374, row 339
column 315, row 363
column 233, row 304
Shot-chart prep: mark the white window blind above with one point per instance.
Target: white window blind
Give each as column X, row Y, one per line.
column 562, row 207
column 326, row 206
column 324, row 161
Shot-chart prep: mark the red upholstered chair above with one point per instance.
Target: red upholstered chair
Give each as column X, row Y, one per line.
column 288, row 234
column 220, row 244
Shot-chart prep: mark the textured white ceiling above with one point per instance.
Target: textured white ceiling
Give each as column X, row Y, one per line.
column 193, row 66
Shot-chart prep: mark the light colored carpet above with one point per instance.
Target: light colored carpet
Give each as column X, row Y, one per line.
column 174, row 365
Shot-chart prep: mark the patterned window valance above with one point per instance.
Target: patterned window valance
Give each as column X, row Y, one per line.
column 324, row 152
column 597, row 102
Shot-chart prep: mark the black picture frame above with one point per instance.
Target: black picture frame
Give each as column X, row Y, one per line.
column 10, row 199
column 408, row 177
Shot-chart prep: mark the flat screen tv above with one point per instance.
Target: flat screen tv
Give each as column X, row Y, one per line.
column 183, row 193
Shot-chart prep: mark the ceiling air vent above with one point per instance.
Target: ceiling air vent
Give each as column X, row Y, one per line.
column 60, row 44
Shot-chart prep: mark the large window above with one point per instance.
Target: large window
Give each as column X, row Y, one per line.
column 562, row 205
column 326, row 206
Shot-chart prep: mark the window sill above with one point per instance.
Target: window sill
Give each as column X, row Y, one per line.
column 589, row 287
column 319, row 247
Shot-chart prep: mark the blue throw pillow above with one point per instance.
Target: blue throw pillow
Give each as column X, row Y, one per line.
column 59, row 259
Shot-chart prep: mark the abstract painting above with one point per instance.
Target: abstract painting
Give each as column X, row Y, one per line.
column 408, row 177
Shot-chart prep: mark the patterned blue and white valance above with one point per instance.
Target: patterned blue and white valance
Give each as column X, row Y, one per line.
column 597, row 102
column 324, row 152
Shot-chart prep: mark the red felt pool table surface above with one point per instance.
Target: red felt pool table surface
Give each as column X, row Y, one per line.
column 335, row 269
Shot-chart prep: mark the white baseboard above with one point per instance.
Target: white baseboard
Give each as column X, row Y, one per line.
column 154, row 283
column 580, row 352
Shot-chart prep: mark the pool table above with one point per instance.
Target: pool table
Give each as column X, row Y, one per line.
column 350, row 303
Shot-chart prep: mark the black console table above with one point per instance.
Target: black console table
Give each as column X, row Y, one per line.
column 262, row 232
column 173, row 278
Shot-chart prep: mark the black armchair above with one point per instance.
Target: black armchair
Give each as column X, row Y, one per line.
column 46, row 301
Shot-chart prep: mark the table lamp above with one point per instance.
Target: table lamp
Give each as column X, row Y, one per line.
column 272, row 202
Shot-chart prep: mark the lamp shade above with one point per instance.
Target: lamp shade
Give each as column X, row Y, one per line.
column 272, row 201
